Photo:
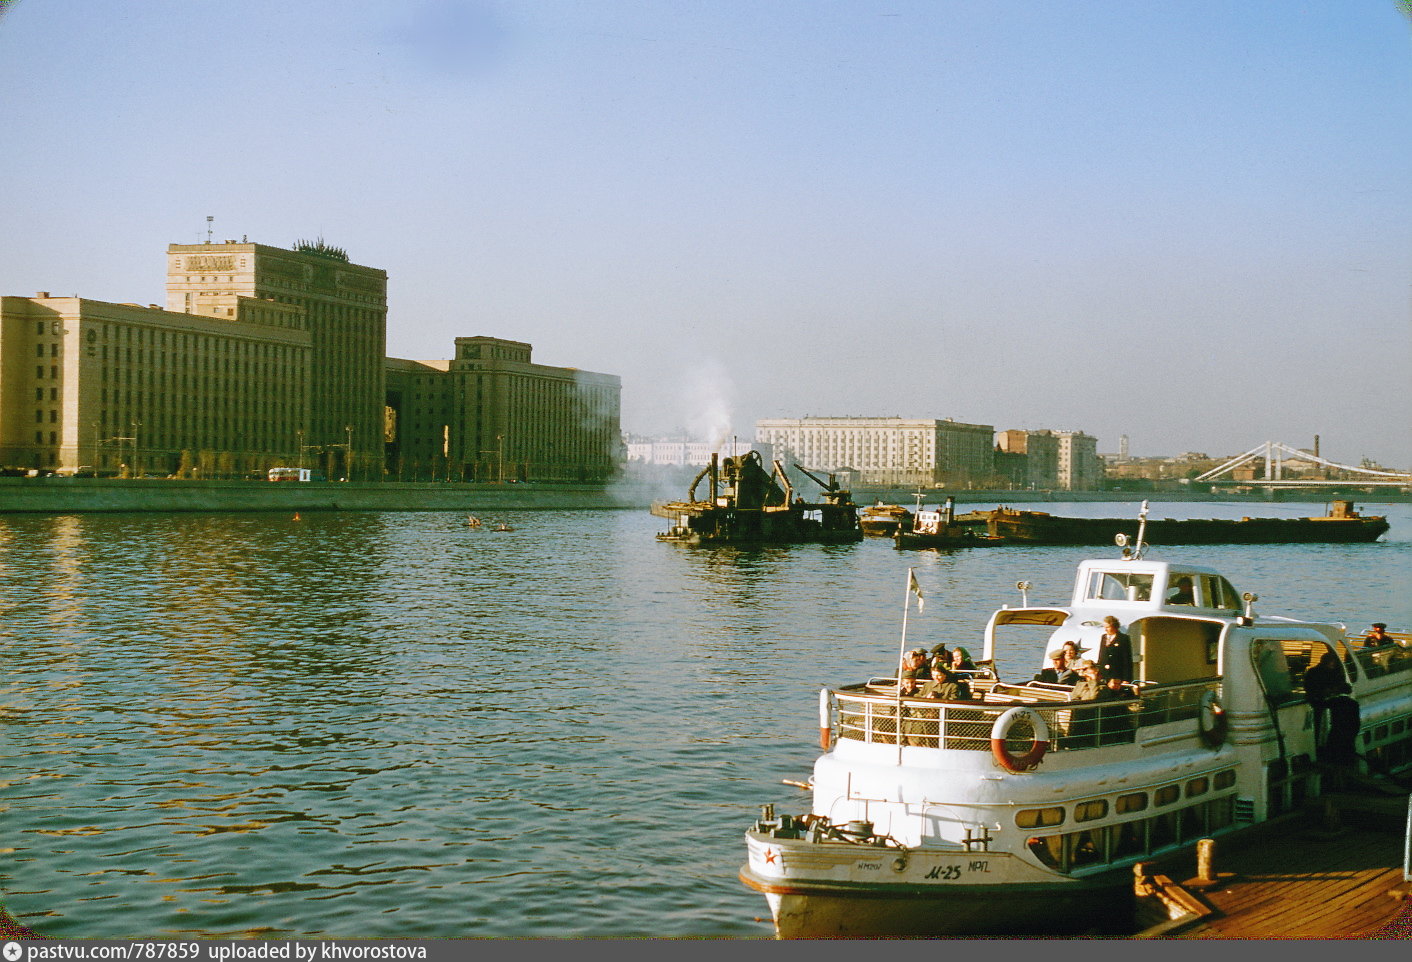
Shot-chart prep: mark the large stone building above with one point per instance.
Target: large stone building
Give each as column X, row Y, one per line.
column 271, row 357
column 126, row 389
column 342, row 306
column 886, row 451
column 491, row 414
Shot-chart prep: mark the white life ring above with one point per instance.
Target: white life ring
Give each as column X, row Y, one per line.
column 1001, row 730
column 1211, row 720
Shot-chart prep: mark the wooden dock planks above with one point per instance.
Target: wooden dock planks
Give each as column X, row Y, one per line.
column 1296, row 880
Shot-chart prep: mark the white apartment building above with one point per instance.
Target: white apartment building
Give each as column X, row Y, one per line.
column 886, row 451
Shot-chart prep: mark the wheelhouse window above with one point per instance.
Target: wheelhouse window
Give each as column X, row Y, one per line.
column 1119, row 586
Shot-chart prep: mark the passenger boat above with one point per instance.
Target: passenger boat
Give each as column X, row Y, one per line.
column 884, row 520
column 1343, row 525
column 1021, row 811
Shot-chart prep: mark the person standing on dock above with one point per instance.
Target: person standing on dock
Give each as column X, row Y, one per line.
column 1115, row 651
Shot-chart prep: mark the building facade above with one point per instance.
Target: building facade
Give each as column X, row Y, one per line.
column 886, row 451
column 1038, row 469
column 492, row 414
column 1080, row 468
column 343, row 307
column 131, row 390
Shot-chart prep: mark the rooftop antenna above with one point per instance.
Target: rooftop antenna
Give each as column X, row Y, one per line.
column 209, row 229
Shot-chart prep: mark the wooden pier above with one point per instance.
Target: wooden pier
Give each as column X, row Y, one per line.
column 1333, row 871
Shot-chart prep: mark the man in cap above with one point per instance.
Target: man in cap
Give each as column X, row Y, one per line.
column 915, row 671
column 1058, row 672
column 1378, row 636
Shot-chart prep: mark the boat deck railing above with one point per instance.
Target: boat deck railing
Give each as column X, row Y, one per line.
column 871, row 716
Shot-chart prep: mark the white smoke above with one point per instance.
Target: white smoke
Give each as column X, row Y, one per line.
column 708, row 394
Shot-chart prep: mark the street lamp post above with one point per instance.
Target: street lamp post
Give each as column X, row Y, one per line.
column 348, row 453
column 500, row 460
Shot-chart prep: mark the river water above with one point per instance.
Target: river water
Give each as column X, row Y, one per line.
column 393, row 725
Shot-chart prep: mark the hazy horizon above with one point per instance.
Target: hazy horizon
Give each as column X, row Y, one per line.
column 1188, row 223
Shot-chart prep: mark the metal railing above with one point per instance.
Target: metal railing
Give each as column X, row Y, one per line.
column 872, row 716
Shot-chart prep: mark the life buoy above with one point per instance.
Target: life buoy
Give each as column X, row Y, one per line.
column 1211, row 720
column 1001, row 730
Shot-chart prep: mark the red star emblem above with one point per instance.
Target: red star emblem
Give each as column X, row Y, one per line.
column 769, row 856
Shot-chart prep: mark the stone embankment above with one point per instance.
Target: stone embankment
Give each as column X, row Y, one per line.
column 75, row 495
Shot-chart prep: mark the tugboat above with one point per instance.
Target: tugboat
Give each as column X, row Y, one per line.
column 748, row 505
column 1021, row 811
column 942, row 529
column 884, row 520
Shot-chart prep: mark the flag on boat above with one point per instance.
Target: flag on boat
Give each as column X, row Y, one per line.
column 915, row 588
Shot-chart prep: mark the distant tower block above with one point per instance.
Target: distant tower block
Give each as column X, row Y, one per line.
column 1123, row 447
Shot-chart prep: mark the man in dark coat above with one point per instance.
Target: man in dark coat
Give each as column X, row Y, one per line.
column 1115, row 652
column 1058, row 672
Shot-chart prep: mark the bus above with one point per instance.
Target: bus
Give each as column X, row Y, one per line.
column 290, row 474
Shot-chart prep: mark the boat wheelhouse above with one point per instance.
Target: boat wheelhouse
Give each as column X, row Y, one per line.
column 1023, row 811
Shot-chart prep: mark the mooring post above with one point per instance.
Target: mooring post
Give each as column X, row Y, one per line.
column 1206, row 860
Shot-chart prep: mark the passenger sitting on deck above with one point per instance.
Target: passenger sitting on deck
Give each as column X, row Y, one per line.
column 1089, row 687
column 1114, row 688
column 945, row 686
column 1072, row 654
column 1058, row 672
column 1378, row 636
column 940, row 655
column 961, row 660
column 915, row 668
column 1181, row 593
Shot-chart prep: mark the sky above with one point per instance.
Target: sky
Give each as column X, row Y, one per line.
column 1189, row 223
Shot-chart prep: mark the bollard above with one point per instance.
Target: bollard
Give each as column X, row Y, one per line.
column 1205, row 859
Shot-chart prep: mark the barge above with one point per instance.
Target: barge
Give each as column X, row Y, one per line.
column 1342, row 526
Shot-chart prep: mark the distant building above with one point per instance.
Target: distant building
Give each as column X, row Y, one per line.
column 1039, row 468
column 491, row 414
column 1079, row 466
column 687, row 453
column 894, row 452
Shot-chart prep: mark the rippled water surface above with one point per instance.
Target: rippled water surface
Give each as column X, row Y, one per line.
column 393, row 725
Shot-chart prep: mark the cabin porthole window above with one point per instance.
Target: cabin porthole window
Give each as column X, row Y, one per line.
column 1088, row 811
column 1038, row 817
column 1135, row 802
column 1197, row 786
column 1167, row 794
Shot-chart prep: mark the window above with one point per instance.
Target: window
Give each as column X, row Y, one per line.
column 1225, row 779
column 1120, row 586
column 1167, row 794
column 1197, row 786
column 1088, row 811
column 1034, row 817
column 1135, row 802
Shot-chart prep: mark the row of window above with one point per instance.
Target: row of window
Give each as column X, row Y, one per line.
column 1134, row 839
column 1093, row 809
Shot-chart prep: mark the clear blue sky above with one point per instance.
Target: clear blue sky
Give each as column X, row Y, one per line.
column 1187, row 222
